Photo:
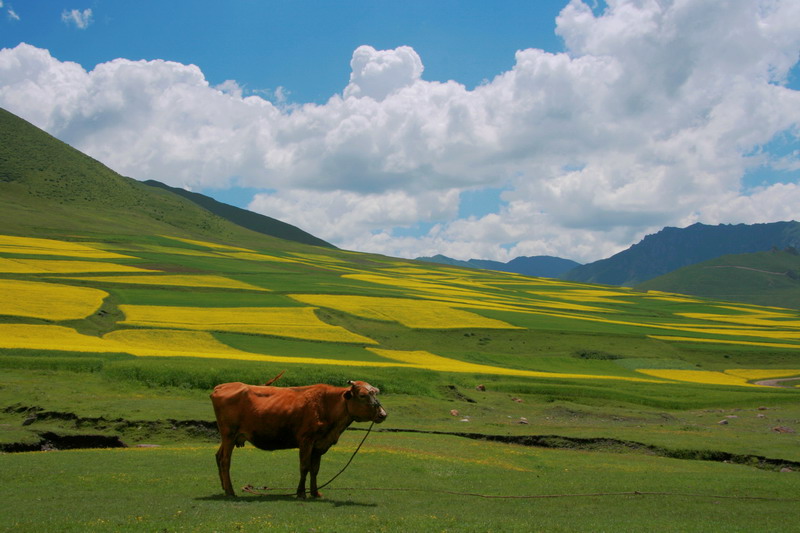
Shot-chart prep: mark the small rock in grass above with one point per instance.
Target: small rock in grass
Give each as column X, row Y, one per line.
column 723, row 422
column 454, row 412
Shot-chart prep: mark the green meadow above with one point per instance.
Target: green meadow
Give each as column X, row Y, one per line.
column 515, row 403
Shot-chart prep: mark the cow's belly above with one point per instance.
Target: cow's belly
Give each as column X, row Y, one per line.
column 271, row 440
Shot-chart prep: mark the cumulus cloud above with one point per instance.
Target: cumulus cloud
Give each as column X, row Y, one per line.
column 651, row 117
column 80, row 19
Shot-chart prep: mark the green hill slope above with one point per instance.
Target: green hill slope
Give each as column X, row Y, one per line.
column 764, row 278
column 246, row 219
column 48, row 188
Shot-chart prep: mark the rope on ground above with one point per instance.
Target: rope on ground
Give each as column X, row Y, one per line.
column 263, row 491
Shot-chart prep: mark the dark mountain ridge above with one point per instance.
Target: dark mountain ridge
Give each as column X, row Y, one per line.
column 673, row 248
column 246, row 219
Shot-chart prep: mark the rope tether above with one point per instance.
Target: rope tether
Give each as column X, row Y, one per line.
column 260, row 490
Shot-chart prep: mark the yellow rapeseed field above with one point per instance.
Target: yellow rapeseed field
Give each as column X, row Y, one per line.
column 724, row 341
column 35, row 246
column 422, row 314
column 206, row 244
column 178, row 343
column 766, row 373
column 45, row 337
column 179, row 280
column 707, row 377
column 587, row 295
column 429, row 361
column 294, row 322
column 61, row 266
column 50, row 301
column 254, row 256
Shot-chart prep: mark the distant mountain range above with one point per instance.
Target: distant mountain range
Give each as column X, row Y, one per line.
column 673, row 248
column 756, row 263
column 540, row 266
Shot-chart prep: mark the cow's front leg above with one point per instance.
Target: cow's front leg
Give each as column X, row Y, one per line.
column 305, row 465
column 224, row 464
column 316, row 458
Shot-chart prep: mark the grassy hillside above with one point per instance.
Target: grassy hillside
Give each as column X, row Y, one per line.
column 49, row 188
column 765, row 278
column 246, row 219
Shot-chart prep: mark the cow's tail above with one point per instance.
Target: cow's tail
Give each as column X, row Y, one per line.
column 273, row 380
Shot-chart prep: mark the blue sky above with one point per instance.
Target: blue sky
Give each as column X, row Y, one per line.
column 473, row 129
column 303, row 46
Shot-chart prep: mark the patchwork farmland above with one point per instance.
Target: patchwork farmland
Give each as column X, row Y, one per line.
column 121, row 335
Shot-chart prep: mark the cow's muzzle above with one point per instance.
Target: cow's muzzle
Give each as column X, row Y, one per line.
column 381, row 415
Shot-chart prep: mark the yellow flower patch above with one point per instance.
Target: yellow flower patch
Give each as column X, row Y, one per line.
column 570, row 306
column 145, row 343
column 421, row 314
column 34, row 246
column 755, row 373
column 585, row 295
column 294, row 322
column 706, row 377
column 58, row 266
column 319, row 257
column 36, row 337
column 50, row 301
column 784, row 320
column 172, row 343
column 721, row 341
column 253, row 256
column 206, row 244
column 179, row 280
column 428, row 361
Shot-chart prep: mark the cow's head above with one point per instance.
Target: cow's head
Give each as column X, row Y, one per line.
column 362, row 402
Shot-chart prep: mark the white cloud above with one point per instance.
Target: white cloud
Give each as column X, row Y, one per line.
column 12, row 15
column 651, row 118
column 81, row 19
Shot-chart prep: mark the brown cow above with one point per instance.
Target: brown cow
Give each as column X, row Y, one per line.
column 276, row 418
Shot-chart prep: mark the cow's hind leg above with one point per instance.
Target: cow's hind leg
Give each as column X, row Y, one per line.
column 224, row 464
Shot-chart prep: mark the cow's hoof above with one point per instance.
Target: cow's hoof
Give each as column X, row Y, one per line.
column 301, row 495
column 317, row 494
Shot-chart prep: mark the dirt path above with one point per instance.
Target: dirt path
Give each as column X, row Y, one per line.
column 776, row 382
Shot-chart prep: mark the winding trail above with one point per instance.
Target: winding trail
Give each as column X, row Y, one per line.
column 776, row 382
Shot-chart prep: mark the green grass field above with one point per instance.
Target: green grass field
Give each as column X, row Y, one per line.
column 642, row 406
